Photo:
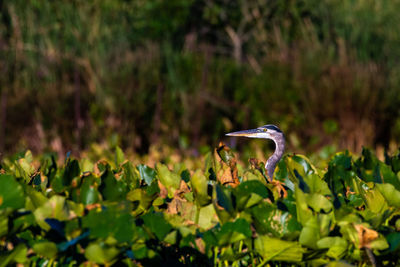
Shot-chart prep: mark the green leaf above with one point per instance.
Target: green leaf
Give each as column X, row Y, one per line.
column 207, row 217
column 11, row 193
column 394, row 241
column 310, row 233
column 379, row 244
column 112, row 189
column 146, row 173
column 71, row 171
column 222, row 200
column 336, row 246
column 110, row 222
column 119, row 156
column 273, row 249
column 157, row 224
column 46, row 249
column 169, row 179
column 200, row 188
column 319, row 203
column 226, row 154
column 391, row 195
column 375, row 201
column 55, row 208
column 232, row 232
column 24, row 167
column 17, row 255
column 130, row 175
column 269, row 219
column 302, row 210
column 101, row 254
column 389, row 176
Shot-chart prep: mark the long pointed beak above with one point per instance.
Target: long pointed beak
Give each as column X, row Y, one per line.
column 254, row 133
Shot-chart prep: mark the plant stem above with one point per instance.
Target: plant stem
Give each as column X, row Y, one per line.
column 196, row 220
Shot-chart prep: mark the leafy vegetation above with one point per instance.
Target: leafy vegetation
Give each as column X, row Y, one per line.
column 114, row 212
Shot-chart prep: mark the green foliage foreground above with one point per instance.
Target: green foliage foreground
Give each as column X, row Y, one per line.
column 116, row 213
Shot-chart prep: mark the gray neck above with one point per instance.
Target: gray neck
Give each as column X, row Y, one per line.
column 274, row 159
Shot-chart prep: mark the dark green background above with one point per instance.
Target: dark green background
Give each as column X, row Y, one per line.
column 184, row 72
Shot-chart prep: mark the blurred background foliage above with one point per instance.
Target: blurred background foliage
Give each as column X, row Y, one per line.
column 184, row 72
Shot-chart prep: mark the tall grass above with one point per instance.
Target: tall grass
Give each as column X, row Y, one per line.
column 184, row 72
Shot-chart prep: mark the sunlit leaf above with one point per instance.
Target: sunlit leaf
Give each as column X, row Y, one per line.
column 11, row 193
column 101, row 254
column 391, row 195
column 46, row 249
column 273, row 249
column 200, row 188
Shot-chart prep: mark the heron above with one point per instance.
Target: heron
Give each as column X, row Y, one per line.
column 268, row 131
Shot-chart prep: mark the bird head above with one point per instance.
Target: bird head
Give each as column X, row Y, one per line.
column 268, row 131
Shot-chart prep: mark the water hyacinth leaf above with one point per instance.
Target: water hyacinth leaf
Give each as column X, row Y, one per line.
column 394, row 241
column 268, row 219
column 391, row 195
column 317, row 185
column 55, row 208
column 46, row 249
column 141, row 199
column 71, row 171
column 282, row 172
column 157, row 224
column 146, row 173
column 34, row 198
column 130, row 175
column 222, row 200
column 169, row 179
column 200, row 188
column 171, row 238
column 101, row 254
column 389, row 176
column 302, row 210
column 336, row 246
column 119, row 156
column 254, row 186
column 300, row 164
column 375, row 200
column 232, row 232
column 24, row 167
column 17, row 255
column 89, row 194
column 11, row 193
column 207, row 217
column 112, row 189
column 379, row 244
column 110, row 222
column 273, row 249
column 310, row 233
column 226, row 154
column 319, row 203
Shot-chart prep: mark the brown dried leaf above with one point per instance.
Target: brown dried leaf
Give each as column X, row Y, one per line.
column 163, row 190
column 365, row 235
column 228, row 175
column 200, row 245
column 97, row 172
column 183, row 189
column 93, row 206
